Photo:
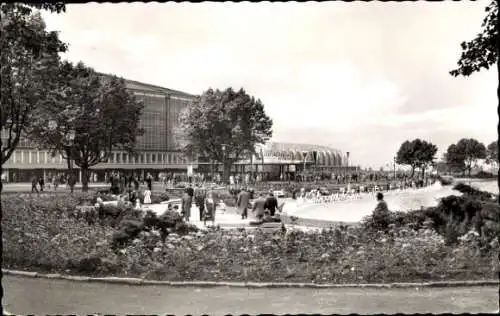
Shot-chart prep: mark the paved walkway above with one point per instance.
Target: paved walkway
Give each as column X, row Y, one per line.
column 44, row 296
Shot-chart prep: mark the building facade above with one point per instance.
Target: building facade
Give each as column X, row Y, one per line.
column 157, row 150
column 287, row 161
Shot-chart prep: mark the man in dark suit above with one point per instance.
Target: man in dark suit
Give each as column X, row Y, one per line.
column 259, row 206
column 271, row 203
column 242, row 203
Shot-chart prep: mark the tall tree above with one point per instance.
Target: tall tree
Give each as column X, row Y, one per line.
column 224, row 125
column 465, row 154
column 416, row 154
column 492, row 152
column 29, row 63
column 481, row 53
column 90, row 116
column 454, row 159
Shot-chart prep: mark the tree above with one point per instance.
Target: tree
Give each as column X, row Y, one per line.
column 224, row 126
column 416, row 154
column 28, row 66
column 454, row 159
column 90, row 115
column 481, row 53
column 492, row 152
column 465, row 154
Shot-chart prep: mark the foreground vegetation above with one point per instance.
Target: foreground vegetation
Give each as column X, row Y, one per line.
column 456, row 240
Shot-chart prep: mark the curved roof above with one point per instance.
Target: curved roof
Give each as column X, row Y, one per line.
column 295, row 147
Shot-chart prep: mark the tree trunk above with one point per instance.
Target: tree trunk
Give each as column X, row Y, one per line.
column 423, row 172
column 85, row 179
column 412, row 171
column 1, row 181
column 227, row 171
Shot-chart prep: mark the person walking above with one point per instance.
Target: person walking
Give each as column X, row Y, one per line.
column 149, row 181
column 34, row 183
column 187, row 201
column 209, row 208
column 71, row 182
column 242, row 203
column 136, row 184
column 259, row 206
column 199, row 199
column 41, row 182
column 271, row 203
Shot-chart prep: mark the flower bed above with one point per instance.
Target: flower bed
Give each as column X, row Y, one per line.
column 41, row 235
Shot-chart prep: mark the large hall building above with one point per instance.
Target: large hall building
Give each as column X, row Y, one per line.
column 158, row 151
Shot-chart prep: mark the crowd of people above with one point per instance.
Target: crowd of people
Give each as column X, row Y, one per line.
column 39, row 183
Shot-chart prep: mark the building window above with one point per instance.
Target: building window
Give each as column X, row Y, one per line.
column 153, row 158
column 34, row 156
column 118, row 157
column 17, row 157
column 141, row 158
column 124, row 157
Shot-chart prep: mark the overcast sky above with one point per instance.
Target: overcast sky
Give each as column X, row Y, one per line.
column 361, row 77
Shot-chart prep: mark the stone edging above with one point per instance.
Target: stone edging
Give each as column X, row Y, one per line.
column 139, row 281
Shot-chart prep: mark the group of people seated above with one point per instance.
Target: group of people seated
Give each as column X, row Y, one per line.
column 317, row 196
column 265, row 209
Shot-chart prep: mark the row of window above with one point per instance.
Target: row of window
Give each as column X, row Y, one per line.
column 26, row 157
column 147, row 158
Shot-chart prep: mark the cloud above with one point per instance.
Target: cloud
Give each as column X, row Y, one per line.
column 363, row 77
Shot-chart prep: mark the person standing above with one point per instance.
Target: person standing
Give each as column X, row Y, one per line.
column 187, row 201
column 271, row 203
column 136, row 184
column 242, row 203
column 41, row 182
column 259, row 206
column 72, row 182
column 209, row 209
column 149, row 181
column 199, row 199
column 34, row 183
column 147, row 197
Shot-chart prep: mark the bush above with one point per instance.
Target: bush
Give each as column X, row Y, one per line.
column 128, row 230
column 472, row 192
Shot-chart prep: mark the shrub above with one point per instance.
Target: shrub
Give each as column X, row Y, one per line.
column 470, row 191
column 128, row 230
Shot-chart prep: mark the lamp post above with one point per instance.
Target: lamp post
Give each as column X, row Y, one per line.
column 394, row 168
column 262, row 157
column 347, row 165
column 304, row 154
column 223, row 148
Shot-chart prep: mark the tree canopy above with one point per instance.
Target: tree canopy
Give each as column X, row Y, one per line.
column 416, row 154
column 29, row 64
column 89, row 116
column 481, row 52
column 492, row 152
column 225, row 125
column 465, row 153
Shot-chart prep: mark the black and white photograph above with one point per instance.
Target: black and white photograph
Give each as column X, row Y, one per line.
column 214, row 158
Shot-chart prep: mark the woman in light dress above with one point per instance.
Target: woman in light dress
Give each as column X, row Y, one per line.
column 147, row 197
